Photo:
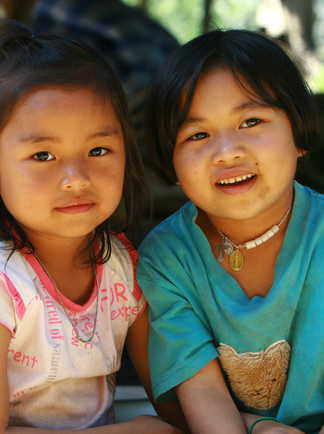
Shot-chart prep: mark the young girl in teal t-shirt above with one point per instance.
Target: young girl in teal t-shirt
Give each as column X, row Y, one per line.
column 234, row 278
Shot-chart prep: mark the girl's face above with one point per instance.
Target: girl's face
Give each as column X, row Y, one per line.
column 234, row 158
column 62, row 161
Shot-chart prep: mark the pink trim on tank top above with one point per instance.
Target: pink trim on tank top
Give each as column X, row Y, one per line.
column 19, row 304
column 137, row 292
column 50, row 288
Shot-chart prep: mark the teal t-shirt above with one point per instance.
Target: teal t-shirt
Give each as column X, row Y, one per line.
column 271, row 348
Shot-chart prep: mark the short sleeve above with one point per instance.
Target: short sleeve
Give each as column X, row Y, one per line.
column 7, row 309
column 181, row 342
column 124, row 260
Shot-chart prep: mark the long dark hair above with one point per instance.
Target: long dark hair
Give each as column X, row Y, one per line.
column 29, row 61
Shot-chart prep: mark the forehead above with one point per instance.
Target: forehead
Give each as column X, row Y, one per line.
column 49, row 102
column 61, row 112
column 220, row 87
column 47, row 97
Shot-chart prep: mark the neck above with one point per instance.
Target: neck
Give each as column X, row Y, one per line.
column 57, row 252
column 240, row 231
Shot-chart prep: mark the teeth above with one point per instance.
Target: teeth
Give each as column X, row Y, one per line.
column 236, row 179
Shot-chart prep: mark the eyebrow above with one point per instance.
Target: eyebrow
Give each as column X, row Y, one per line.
column 106, row 132
column 244, row 106
column 250, row 104
column 34, row 139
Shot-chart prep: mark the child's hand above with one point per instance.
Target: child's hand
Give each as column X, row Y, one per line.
column 272, row 427
column 268, row 426
column 154, row 425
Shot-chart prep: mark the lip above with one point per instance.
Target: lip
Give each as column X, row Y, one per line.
column 233, row 189
column 75, row 207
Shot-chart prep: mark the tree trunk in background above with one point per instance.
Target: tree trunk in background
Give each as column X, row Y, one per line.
column 143, row 4
column 293, row 18
column 299, row 18
column 207, row 16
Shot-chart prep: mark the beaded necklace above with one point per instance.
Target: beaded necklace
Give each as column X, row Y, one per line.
column 236, row 257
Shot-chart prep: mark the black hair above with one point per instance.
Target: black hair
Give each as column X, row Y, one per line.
column 260, row 65
column 28, row 62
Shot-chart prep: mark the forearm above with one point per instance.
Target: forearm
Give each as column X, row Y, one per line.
column 137, row 343
column 322, row 430
column 207, row 403
column 211, row 411
column 139, row 425
column 172, row 413
column 249, row 418
column 119, row 428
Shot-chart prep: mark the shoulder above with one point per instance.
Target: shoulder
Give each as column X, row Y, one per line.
column 13, row 264
column 310, row 207
column 17, row 285
column 171, row 232
column 123, row 261
column 307, row 231
column 122, row 248
column 6, row 253
column 307, row 194
column 168, row 253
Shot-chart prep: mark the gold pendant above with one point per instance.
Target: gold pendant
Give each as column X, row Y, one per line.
column 236, row 260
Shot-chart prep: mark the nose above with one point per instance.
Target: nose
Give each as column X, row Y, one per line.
column 75, row 177
column 227, row 149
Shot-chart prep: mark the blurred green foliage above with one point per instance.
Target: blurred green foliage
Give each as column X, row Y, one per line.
column 183, row 17
column 316, row 82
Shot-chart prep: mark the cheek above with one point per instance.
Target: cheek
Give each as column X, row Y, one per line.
column 278, row 147
column 112, row 173
column 108, row 181
column 21, row 187
column 186, row 164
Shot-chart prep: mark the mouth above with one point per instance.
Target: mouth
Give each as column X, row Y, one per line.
column 237, row 184
column 236, row 180
column 75, row 207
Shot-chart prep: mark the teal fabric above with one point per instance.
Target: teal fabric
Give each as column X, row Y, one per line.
column 195, row 305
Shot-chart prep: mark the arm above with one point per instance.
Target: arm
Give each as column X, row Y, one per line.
column 137, row 346
column 322, row 430
column 5, row 337
column 182, row 344
column 140, row 425
column 207, row 403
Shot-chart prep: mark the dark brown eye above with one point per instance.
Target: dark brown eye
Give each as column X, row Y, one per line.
column 43, row 156
column 198, row 136
column 98, row 152
column 249, row 123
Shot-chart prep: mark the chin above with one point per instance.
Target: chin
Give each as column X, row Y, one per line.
column 73, row 233
column 239, row 214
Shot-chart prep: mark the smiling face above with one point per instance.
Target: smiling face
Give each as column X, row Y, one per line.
column 234, row 158
column 62, row 161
